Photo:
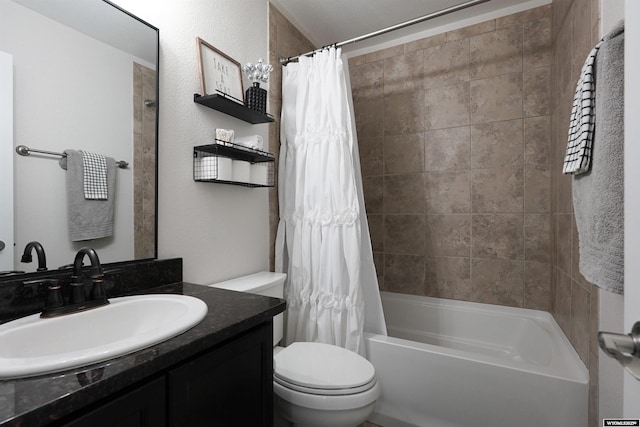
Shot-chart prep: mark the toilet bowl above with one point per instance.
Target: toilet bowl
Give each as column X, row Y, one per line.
column 314, row 384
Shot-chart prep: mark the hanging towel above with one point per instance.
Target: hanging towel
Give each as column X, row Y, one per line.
column 94, row 168
column 578, row 157
column 87, row 219
column 598, row 196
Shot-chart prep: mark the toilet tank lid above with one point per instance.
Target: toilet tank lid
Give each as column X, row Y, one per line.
column 252, row 283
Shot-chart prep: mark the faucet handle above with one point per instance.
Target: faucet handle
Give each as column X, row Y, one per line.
column 54, row 295
column 78, row 295
column 97, row 291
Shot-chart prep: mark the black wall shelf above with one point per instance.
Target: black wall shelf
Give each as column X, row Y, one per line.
column 214, row 172
column 232, row 108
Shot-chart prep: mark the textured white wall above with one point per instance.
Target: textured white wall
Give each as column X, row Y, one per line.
column 220, row 231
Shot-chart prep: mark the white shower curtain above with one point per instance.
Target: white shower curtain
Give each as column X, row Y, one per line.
column 320, row 231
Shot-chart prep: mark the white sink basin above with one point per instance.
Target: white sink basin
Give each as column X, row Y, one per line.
column 33, row 346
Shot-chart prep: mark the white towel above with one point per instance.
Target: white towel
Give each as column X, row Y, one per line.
column 580, row 139
column 94, row 173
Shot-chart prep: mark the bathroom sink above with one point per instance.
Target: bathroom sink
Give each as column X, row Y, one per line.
column 32, row 346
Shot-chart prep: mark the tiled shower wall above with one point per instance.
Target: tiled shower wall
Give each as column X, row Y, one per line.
column 575, row 30
column 454, row 137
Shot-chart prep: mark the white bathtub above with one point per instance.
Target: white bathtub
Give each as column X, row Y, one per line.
column 450, row 363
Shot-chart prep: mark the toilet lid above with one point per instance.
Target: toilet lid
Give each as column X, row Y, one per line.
column 322, row 366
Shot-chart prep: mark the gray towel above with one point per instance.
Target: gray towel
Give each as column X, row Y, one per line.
column 598, row 196
column 87, row 219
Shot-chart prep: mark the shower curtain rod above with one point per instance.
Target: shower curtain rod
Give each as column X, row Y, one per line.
column 461, row 6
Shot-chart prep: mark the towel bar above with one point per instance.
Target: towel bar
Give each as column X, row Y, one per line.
column 23, row 150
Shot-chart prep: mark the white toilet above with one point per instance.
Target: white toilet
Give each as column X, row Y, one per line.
column 314, row 384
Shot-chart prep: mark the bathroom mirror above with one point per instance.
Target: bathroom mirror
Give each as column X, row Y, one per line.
column 84, row 78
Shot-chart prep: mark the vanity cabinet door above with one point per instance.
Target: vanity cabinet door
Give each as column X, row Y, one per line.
column 229, row 386
column 141, row 407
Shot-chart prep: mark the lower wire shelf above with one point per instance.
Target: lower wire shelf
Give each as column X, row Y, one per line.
column 227, row 163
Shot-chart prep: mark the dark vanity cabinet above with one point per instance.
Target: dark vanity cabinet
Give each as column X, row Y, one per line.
column 229, row 385
column 144, row 406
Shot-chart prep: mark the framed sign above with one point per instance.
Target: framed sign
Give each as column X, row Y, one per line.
column 219, row 73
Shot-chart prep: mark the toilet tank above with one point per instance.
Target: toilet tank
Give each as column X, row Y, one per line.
column 263, row 283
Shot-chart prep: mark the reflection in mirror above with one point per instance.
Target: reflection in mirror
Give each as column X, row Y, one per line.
column 84, row 78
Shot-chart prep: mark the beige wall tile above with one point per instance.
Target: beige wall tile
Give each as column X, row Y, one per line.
column 403, row 153
column 404, row 113
column 367, row 80
column 524, row 16
column 562, row 61
column 559, row 12
column 495, row 281
column 372, row 187
column 447, row 192
column 537, row 237
column 403, row 73
column 498, row 236
column 404, row 194
column 580, row 323
column 425, row 43
column 563, row 302
column 446, row 64
column 368, row 114
column 404, row 274
column 563, row 242
column 447, row 149
column 447, row 107
column 404, row 234
column 537, row 140
column 448, row 278
column 537, row 91
column 385, row 53
column 582, row 45
column 537, row 43
column 537, row 189
column 357, row 60
column 537, row 285
column 371, row 155
column 497, row 144
column 471, row 30
column 497, row 190
column 448, row 235
column 497, row 52
column 496, row 98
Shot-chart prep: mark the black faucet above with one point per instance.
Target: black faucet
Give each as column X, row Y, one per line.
column 78, row 300
column 96, row 275
column 27, row 256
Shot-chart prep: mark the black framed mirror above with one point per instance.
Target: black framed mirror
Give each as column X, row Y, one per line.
column 85, row 77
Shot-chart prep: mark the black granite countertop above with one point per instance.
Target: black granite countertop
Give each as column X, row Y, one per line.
column 46, row 399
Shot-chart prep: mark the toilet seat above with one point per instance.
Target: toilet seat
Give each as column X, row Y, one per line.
column 322, row 391
column 322, row 369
